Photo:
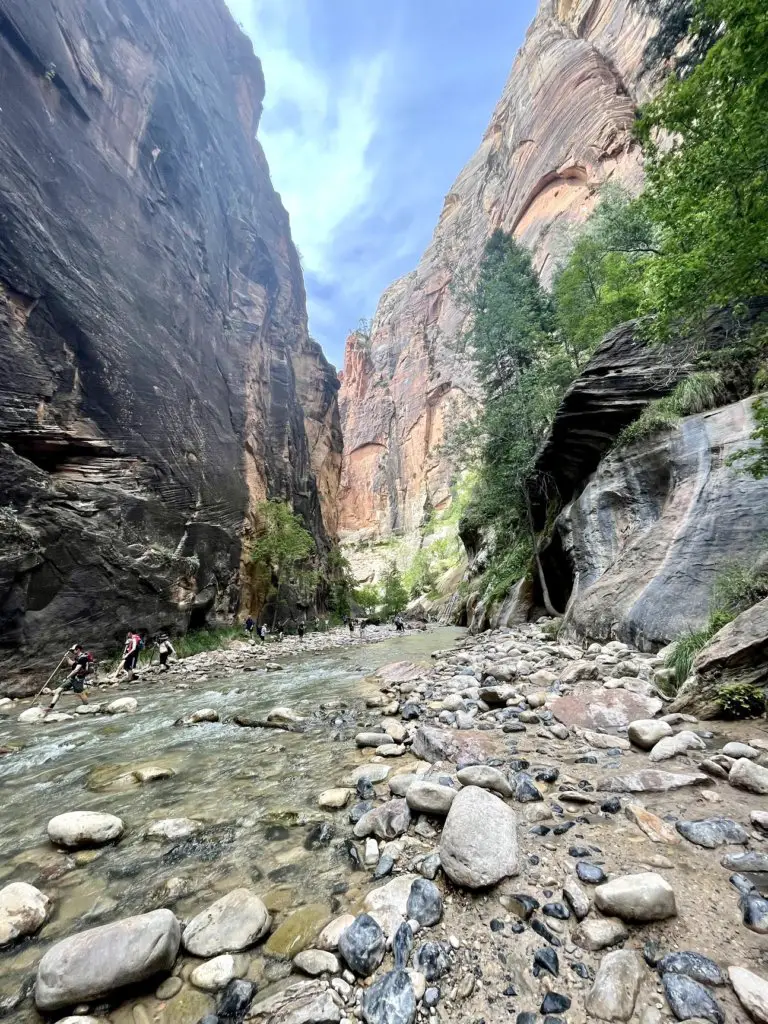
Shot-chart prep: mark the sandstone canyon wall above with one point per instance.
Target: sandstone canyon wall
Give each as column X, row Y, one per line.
column 156, row 375
column 560, row 129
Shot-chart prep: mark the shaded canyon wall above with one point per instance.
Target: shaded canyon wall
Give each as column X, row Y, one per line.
column 156, row 375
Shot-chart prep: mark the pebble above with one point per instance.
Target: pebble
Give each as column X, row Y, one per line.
column 432, row 960
column 646, row 732
column 23, row 911
column 638, row 898
column 672, row 746
column 169, row 988
column 590, row 873
column 737, row 750
column 430, row 798
column 576, row 897
column 215, row 974
column 315, row 961
column 485, row 777
column 595, row 933
column 555, row 1002
column 425, row 903
column 525, row 789
column 616, row 986
column 334, row 799
column 234, row 922
column 747, row 775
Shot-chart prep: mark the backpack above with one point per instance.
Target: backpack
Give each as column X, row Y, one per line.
column 141, row 642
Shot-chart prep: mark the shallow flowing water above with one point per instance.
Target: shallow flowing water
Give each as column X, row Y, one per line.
column 255, row 789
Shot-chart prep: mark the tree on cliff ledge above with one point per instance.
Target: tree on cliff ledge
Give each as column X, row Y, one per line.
column 281, row 547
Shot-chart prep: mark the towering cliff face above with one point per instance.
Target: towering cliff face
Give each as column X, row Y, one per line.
column 561, row 128
column 156, row 376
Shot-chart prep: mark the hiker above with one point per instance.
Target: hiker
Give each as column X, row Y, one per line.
column 130, row 653
column 81, row 663
column 165, row 649
column 280, row 636
column 351, row 624
column 300, row 630
column 399, row 624
column 248, row 625
column 363, row 624
column 263, row 632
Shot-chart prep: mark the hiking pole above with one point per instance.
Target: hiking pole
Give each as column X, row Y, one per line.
column 50, row 677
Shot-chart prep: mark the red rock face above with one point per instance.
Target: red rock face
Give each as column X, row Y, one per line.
column 559, row 131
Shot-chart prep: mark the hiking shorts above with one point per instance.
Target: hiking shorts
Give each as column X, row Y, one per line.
column 74, row 683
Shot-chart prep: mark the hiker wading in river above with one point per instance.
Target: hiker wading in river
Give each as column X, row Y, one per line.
column 81, row 663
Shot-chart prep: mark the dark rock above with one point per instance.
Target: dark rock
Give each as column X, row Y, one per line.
column 209, row 1018
column 358, row 810
column 425, row 904
column 519, row 764
column 410, row 712
column 513, row 726
column 563, row 827
column 525, row 790
column 546, row 774
column 742, row 884
column 579, row 851
column 611, row 806
column 496, row 925
column 539, row 830
column 235, row 1000
column 384, row 867
column 517, row 927
column 365, row 790
column 351, row 852
column 712, row 832
column 402, row 945
column 556, row 910
column 320, row 835
column 752, row 861
column 523, row 905
column 590, row 873
column 541, row 929
column 362, row 945
column 694, row 965
column 390, row 1000
column 432, row 996
column 581, row 969
column 430, row 866
column 585, row 759
column 554, row 1002
column 526, row 1018
column 432, row 960
column 754, row 908
column 546, row 959
column 688, row 998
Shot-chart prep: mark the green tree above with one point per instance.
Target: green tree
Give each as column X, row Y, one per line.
column 340, row 582
column 706, row 143
column 368, row 597
column 282, row 545
column 394, row 593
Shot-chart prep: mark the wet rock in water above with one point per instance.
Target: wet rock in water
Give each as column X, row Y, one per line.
column 384, row 867
column 391, row 750
column 526, row 1018
column 370, row 739
column 745, row 774
column 330, row 935
column 75, row 829
column 410, row 711
column 199, row 717
column 388, row 821
column 688, row 998
column 592, row 874
column 123, row 706
column 425, row 904
column 284, row 717
column 333, row 799
column 617, row 983
column 642, row 897
column 390, row 1000
column 359, row 811
column 546, row 959
column 23, row 911
column 430, row 798
column 432, row 960
column 754, row 908
column 172, row 828
column 554, row 1002
column 169, row 988
column 33, row 716
column 298, row 930
column 526, row 790
column 214, row 975
column 234, row 922
column 365, row 791
column 485, row 777
column 751, row 991
column 308, row 1002
column 91, row 964
column 478, row 846
column 712, row 832
column 658, row 831
column 319, row 835
column 372, row 773
column 316, row 961
column 751, row 861
column 362, row 945
column 651, row 780
column 595, row 933
column 694, row 965
column 576, row 897
column 430, row 866
column 402, row 944
column 235, row 1000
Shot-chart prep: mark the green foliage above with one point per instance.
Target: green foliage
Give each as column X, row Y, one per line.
column 741, row 700
column 511, row 564
column 600, row 284
column 339, row 582
column 706, row 145
column 199, row 640
column 368, row 597
column 421, row 575
column 280, row 549
column 681, row 657
column 756, row 457
column 694, row 394
column 395, row 596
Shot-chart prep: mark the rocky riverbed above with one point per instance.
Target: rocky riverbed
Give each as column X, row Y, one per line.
column 513, row 829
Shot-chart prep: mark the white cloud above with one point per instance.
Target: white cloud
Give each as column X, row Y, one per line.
column 317, row 128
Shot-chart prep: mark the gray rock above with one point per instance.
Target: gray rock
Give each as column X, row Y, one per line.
column 642, row 897
column 486, row 778
column 754, row 909
column 308, row 1002
column 84, row 828
column 388, row 821
column 430, row 866
column 576, row 897
column 234, row 922
column 173, row 828
column 646, row 732
column 23, row 911
column 316, row 961
column 430, row 798
column 617, row 983
column 478, row 846
column 694, row 965
column 425, row 904
column 526, row 790
column 432, row 960
column 751, row 861
column 737, row 750
column 747, row 775
column 752, row 992
column 651, row 780
column 399, row 784
column 372, row 773
column 91, row 964
column 362, row 945
column 680, row 743
column 759, row 819
column 688, row 998
column 215, row 974
column 596, row 933
column 390, row 1000
column 712, row 832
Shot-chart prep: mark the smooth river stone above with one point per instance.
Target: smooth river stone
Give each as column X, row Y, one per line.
column 298, row 930
column 430, row 798
column 616, row 986
column 712, row 832
column 23, row 911
column 646, row 732
column 651, row 780
column 84, row 828
column 752, row 992
column 747, row 775
column 234, row 922
column 638, row 898
column 485, row 777
column 478, row 846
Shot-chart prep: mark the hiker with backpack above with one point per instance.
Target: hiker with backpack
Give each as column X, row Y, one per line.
column 82, row 664
column 165, row 649
column 130, row 657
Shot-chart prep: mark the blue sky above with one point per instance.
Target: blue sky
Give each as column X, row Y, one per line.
column 372, row 108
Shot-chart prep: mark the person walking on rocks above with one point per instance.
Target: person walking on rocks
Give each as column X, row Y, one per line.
column 81, row 663
column 263, row 632
column 300, row 630
column 130, row 653
column 399, row 624
column 351, row 624
column 165, row 649
column 248, row 626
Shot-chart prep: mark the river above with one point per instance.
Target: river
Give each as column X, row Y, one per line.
column 255, row 789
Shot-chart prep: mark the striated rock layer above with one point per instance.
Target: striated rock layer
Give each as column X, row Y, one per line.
column 561, row 128
column 156, row 375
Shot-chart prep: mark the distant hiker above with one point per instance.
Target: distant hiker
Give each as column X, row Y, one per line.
column 281, row 636
column 82, row 664
column 165, row 649
column 351, row 624
column 300, row 630
column 363, row 624
column 263, row 631
column 399, row 624
column 248, row 625
column 130, row 653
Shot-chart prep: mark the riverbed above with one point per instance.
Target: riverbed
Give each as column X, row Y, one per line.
column 255, row 790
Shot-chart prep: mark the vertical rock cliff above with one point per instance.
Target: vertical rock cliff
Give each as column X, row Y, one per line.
column 560, row 130
column 156, row 375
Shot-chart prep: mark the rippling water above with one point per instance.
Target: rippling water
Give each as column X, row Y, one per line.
column 255, row 789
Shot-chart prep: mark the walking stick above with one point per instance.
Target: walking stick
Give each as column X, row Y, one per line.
column 50, row 677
